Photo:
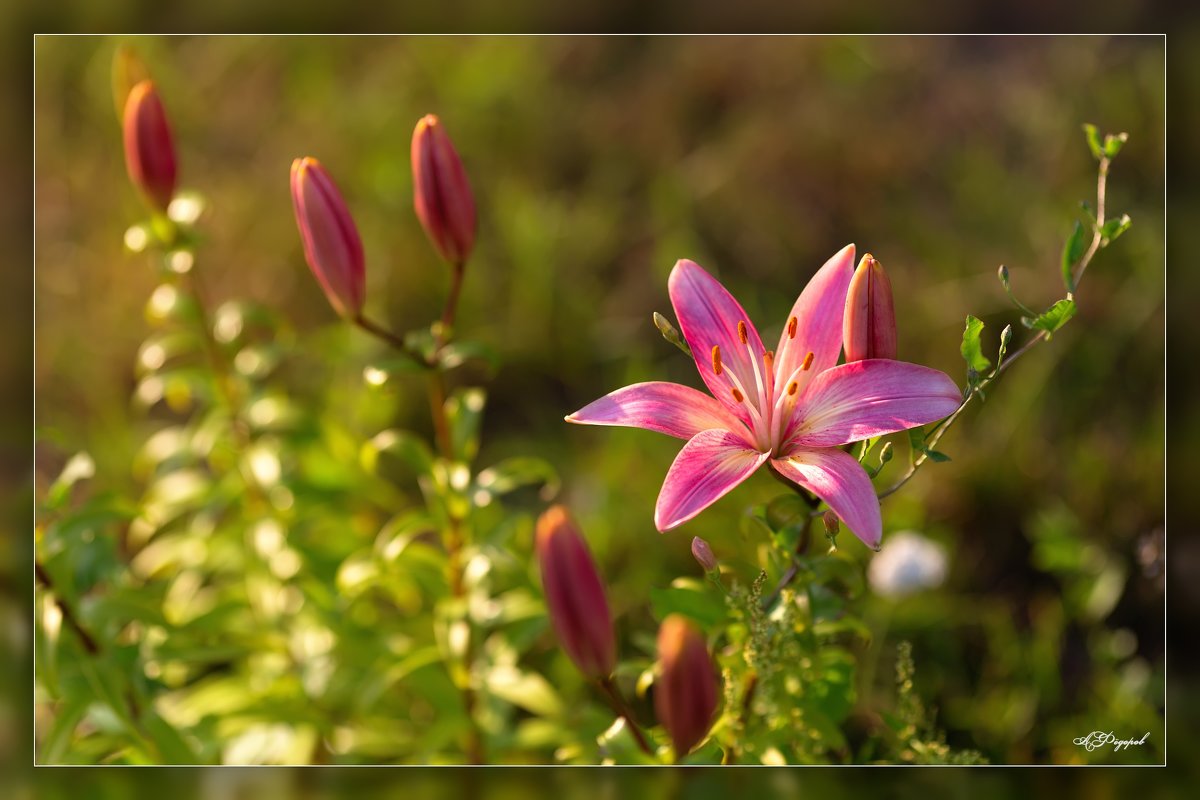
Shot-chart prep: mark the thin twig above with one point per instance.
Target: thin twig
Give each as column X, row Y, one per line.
column 380, row 332
column 936, row 435
column 615, row 699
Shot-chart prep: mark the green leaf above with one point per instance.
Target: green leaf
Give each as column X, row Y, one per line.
column 1113, row 144
column 79, row 467
column 464, row 413
column 66, row 718
column 377, row 373
column 865, row 448
column 916, row 439
column 691, row 598
column 1072, row 251
column 161, row 349
column 458, row 353
column 779, row 512
column 515, row 473
column 1053, row 318
column 937, row 457
column 1093, row 140
column 617, row 744
column 972, row 350
column 839, row 571
column 528, row 690
column 173, row 748
column 1114, row 228
column 406, row 446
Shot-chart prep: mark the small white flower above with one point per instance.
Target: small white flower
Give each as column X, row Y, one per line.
column 908, row 563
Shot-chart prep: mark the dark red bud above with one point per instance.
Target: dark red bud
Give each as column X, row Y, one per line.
column 441, row 194
column 332, row 246
column 685, row 694
column 149, row 148
column 575, row 594
column 703, row 555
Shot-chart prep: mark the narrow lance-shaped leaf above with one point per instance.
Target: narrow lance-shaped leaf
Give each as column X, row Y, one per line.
column 464, row 413
column 916, row 441
column 1093, row 140
column 1072, row 252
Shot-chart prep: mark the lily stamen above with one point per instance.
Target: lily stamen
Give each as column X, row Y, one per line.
column 716, row 359
column 808, row 359
column 762, row 379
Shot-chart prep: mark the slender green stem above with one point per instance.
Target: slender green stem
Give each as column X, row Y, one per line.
column 940, row 430
column 448, row 313
column 794, row 567
column 382, row 333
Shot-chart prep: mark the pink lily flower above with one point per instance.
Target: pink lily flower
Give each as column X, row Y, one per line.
column 793, row 406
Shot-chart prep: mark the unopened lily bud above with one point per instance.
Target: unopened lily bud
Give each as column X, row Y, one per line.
column 704, row 555
column 332, row 246
column 869, row 324
column 685, row 694
column 575, row 594
column 441, row 193
column 149, row 148
column 832, row 524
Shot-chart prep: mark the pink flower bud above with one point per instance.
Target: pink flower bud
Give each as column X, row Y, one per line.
column 331, row 244
column 441, row 193
column 685, row 694
column 869, row 325
column 149, row 148
column 575, row 595
column 703, row 554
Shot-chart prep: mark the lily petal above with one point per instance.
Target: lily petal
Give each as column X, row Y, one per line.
column 706, row 469
column 668, row 408
column 839, row 480
column 870, row 398
column 818, row 311
column 709, row 316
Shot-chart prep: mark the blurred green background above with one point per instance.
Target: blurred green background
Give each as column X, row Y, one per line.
column 599, row 162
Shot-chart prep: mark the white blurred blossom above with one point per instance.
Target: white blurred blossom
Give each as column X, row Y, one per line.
column 908, row 563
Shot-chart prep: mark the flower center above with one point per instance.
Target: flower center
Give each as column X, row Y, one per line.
column 785, row 404
column 753, row 391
